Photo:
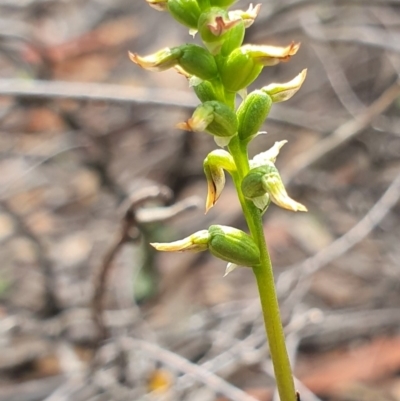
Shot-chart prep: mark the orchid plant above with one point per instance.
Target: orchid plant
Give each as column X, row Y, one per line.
column 219, row 73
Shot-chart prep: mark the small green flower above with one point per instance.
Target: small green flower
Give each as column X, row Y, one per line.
column 190, row 59
column 215, row 118
column 244, row 64
column 265, row 180
column 226, row 243
column 233, row 245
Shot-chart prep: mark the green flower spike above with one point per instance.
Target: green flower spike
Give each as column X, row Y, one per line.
column 265, row 180
column 215, row 118
column 214, row 165
column 226, row 243
column 219, row 70
column 191, row 59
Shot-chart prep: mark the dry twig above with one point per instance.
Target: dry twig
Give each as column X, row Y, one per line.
column 340, row 246
column 175, row 361
column 343, row 133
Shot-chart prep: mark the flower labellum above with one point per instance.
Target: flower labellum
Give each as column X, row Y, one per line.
column 214, row 165
column 159, row 61
column 283, row 92
column 271, row 55
column 247, row 16
column 196, row 242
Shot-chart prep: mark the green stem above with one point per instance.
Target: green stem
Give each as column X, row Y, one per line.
column 265, row 280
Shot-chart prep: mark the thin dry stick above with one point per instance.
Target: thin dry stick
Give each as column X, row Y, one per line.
column 332, row 67
column 175, row 361
column 93, row 91
column 344, row 133
column 133, row 218
column 375, row 215
column 37, row 89
column 43, row 260
column 99, row 289
column 129, row 221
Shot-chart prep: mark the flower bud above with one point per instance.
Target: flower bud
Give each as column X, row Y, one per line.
column 196, row 242
column 233, row 245
column 266, row 180
column 215, row 118
column 198, row 61
column 214, row 165
column 282, row 92
column 187, row 12
column 214, row 27
column 252, row 113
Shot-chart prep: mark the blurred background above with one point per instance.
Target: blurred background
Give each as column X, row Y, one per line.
column 92, row 169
